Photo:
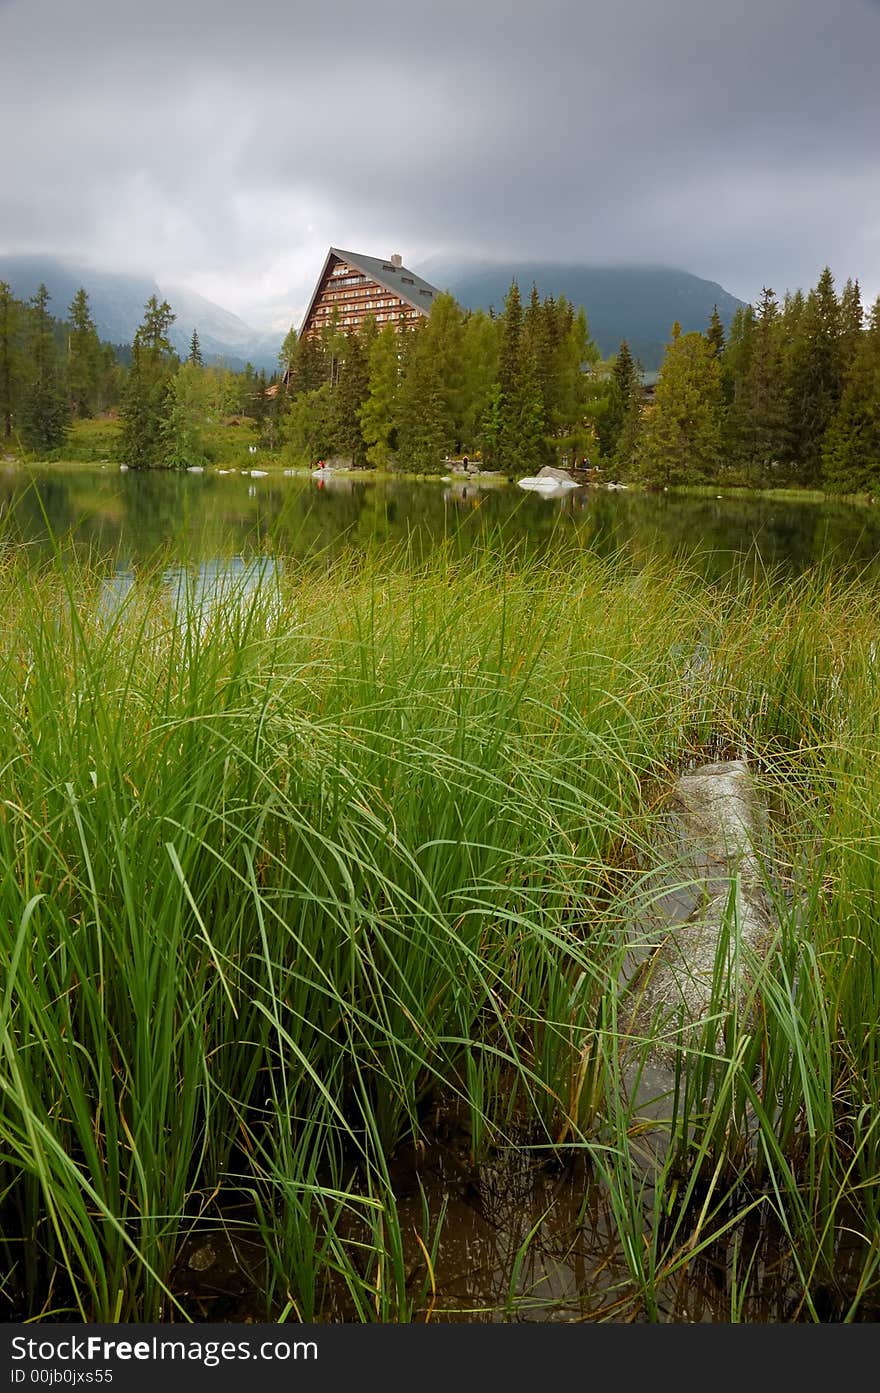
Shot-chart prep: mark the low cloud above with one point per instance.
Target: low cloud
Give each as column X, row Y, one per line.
column 227, row 154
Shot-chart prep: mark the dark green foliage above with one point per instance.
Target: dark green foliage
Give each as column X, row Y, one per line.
column 85, row 359
column 815, row 373
column 146, row 401
column 851, row 454
column 45, row 414
column 759, row 419
column 682, row 436
column 272, row 432
column 715, row 332
column 352, row 387
column 8, row 358
column 309, row 368
column 788, row 402
column 624, row 391
column 379, row 411
column 430, row 403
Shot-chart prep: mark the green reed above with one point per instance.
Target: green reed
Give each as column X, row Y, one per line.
column 281, row 869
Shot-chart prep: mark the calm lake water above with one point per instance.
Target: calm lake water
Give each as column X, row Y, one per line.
column 127, row 519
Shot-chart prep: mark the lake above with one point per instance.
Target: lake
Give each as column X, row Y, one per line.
column 125, row 519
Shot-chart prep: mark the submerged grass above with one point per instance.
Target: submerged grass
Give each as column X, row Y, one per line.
column 280, row 869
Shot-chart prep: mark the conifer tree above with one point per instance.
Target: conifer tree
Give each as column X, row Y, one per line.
column 380, row 409
column 851, row 453
column 852, row 320
column 195, row 351
column 310, row 367
column 259, row 403
column 276, row 403
column 45, row 413
column 9, row 358
column 521, row 404
column 815, row 378
column 572, row 388
column 287, row 352
column 145, row 402
column 715, row 333
column 186, row 411
column 84, row 357
column 426, row 424
column 479, row 357
column 490, row 428
column 350, row 393
column 681, row 442
column 623, row 388
column 760, row 413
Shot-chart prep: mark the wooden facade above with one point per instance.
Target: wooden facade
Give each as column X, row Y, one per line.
column 351, row 287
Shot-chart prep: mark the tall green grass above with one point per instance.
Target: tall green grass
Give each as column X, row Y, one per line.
column 280, row 872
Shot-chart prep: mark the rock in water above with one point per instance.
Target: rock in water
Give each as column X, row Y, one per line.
column 561, row 476
column 700, row 969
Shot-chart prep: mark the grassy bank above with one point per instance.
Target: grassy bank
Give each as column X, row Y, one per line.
column 280, row 878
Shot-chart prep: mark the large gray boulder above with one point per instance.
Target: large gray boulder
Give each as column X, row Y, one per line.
column 700, row 970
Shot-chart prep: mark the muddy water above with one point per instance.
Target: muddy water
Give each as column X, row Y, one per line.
column 525, row 1239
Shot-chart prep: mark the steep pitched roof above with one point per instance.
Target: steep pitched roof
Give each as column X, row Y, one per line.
column 416, row 291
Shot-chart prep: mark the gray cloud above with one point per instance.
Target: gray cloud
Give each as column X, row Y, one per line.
column 737, row 141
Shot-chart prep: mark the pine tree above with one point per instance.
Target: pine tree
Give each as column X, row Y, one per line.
column 760, row 413
column 308, row 426
column 479, row 360
column 379, row 411
column 185, row 414
column 523, row 423
column 351, row 392
column 815, row 378
column 310, row 367
column 146, row 399
column 573, row 391
column 426, row 424
column 681, row 441
column 84, row 357
column 852, row 319
column 511, row 336
column 287, row 353
column 272, row 431
column 539, row 339
column 715, row 333
column 45, row 413
column 9, row 358
column 259, row 403
column 624, row 386
column 490, row 428
column 195, row 351
column 851, row 453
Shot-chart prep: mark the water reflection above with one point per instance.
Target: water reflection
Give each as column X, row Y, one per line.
column 137, row 515
column 214, row 586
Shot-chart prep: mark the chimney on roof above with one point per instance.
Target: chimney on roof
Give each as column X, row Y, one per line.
column 397, row 259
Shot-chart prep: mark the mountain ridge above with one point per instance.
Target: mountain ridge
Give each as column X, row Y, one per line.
column 117, row 300
column 638, row 303
column 634, row 302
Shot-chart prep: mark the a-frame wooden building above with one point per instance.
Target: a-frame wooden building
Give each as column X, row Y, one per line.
column 352, row 286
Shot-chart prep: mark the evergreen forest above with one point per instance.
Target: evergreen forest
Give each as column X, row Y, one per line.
column 787, row 395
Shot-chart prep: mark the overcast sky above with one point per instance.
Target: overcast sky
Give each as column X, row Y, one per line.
column 226, row 148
